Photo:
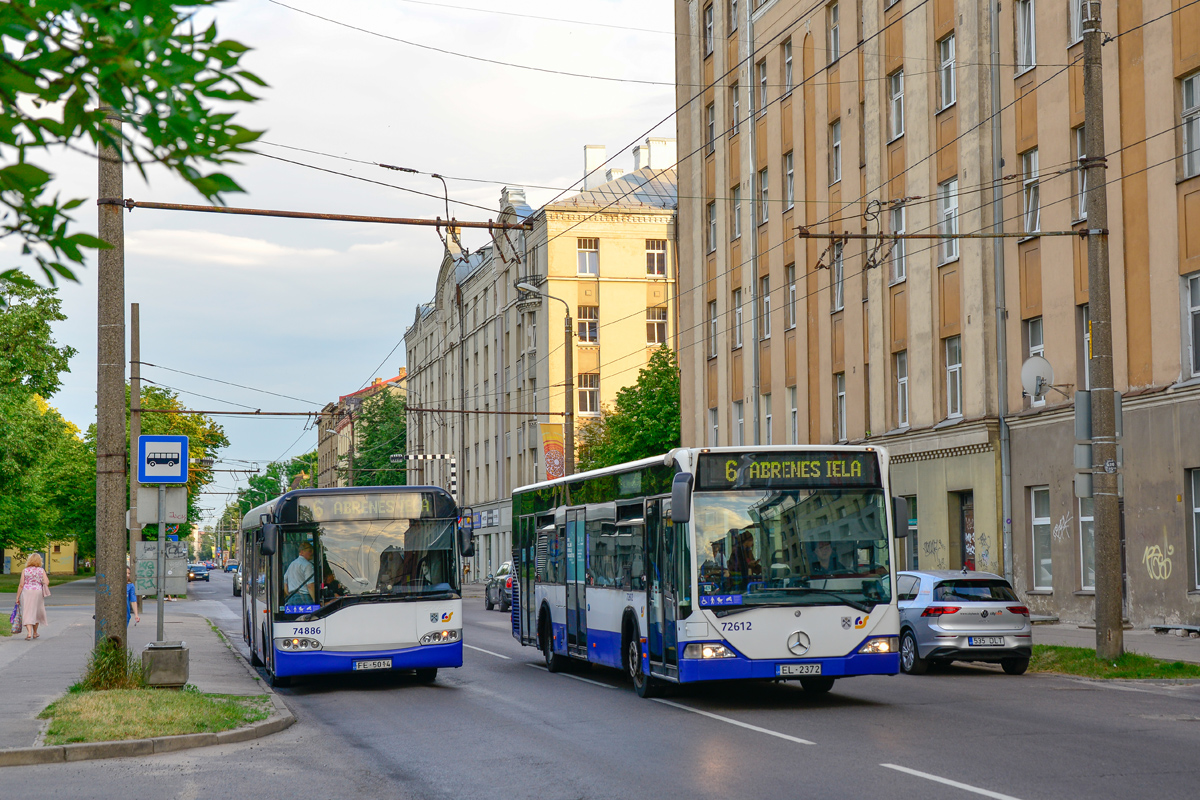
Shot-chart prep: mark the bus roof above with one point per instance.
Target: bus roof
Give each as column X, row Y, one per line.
column 271, row 506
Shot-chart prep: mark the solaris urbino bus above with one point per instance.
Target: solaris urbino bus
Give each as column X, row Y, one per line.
column 354, row 579
column 714, row 564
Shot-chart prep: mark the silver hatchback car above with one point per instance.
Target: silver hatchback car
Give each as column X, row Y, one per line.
column 961, row 616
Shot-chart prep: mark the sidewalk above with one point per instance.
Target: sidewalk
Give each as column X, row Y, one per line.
column 1165, row 646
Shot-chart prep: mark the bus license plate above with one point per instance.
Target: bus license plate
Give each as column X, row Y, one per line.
column 986, row 641
column 378, row 663
column 798, row 669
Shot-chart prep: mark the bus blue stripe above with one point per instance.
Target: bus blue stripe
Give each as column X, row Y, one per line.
column 322, row 662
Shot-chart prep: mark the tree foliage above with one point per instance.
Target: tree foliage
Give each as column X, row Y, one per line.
column 644, row 423
column 381, row 430
column 64, row 62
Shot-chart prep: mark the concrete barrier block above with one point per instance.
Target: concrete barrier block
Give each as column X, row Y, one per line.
column 165, row 663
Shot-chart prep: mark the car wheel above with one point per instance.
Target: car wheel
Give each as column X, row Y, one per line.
column 645, row 685
column 487, row 600
column 815, row 685
column 910, row 657
column 505, row 603
column 1015, row 666
column 427, row 675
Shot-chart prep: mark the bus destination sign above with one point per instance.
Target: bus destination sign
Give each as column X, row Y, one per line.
column 374, row 506
column 800, row 470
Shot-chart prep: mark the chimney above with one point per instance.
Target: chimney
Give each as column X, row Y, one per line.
column 512, row 196
column 662, row 153
column 614, row 173
column 593, row 161
column 641, row 157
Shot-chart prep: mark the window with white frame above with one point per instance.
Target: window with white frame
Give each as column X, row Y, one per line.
column 735, row 105
column 737, row 318
column 1192, row 300
column 589, row 393
column 1195, row 480
column 766, row 401
column 1190, row 123
column 953, row 377
column 713, row 326
column 787, row 66
column 838, row 276
column 711, row 242
column 1076, row 12
column 1087, row 544
column 733, row 18
column 789, row 180
column 1024, row 19
column 897, row 257
column 902, row 389
column 736, row 206
column 947, row 91
column 739, row 423
column 833, row 24
column 656, row 256
column 1030, row 191
column 588, row 251
column 1037, row 347
column 1043, row 564
column 839, row 388
column 896, row 104
column 656, row 325
column 948, row 220
column 710, row 124
column 794, row 416
column 764, row 294
column 762, row 86
column 1085, row 326
column 790, row 269
column 1081, row 186
column 835, row 152
column 708, row 30
column 589, row 324
column 714, row 428
column 763, row 195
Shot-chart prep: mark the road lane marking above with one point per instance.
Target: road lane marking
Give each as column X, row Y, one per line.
column 489, row 652
column 964, row 786
column 740, row 724
column 574, row 677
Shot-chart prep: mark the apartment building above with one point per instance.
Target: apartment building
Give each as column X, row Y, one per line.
column 338, row 435
column 606, row 256
column 889, row 116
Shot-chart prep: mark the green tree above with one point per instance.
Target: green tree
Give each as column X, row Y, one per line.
column 645, row 421
column 64, row 62
column 381, row 430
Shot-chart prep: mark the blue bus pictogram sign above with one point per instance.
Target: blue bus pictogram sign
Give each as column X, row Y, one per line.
column 162, row 459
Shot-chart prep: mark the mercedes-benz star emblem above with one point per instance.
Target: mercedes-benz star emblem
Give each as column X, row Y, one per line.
column 799, row 643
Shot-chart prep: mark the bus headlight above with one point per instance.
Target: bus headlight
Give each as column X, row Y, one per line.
column 880, row 644
column 440, row 637
column 297, row 644
column 707, row 650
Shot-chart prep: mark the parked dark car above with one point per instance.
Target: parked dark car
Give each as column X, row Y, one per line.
column 237, row 582
column 198, row 572
column 498, row 589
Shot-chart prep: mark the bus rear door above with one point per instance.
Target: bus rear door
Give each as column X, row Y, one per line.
column 576, row 584
column 662, row 580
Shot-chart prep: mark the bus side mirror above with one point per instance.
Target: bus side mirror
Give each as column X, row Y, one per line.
column 681, row 497
column 466, row 542
column 270, row 539
column 900, row 517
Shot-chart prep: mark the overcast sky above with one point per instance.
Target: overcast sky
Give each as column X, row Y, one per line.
column 312, row 309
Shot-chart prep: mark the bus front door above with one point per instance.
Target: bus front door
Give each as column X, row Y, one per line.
column 576, row 584
column 662, row 581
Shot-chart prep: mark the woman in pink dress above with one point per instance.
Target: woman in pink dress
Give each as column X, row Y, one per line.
column 34, row 586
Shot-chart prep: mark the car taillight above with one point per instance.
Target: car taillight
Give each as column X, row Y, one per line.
column 508, row 582
column 1018, row 610
column 937, row 611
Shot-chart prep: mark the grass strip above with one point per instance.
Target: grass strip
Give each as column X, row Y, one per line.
column 1082, row 661
column 119, row 714
column 8, row 583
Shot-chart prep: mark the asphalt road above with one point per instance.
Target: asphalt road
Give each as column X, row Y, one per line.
column 503, row 727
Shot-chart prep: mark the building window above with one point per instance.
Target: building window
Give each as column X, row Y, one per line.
column 1077, row 13
column 767, row 438
column 1026, row 35
column 914, row 545
column 739, row 423
column 898, row 263
column 1037, row 347
column 787, row 66
column 656, row 325
column 656, row 256
column 790, row 269
column 713, row 428
column 1030, row 191
column 736, row 223
column 833, row 25
column 708, row 30
column 1193, row 323
column 1195, row 475
column 896, row 104
column 789, row 180
column 902, row 389
column 835, row 152
column 1043, row 565
column 1191, row 125
column 764, row 293
column 736, row 106
column 763, row 194
column 589, row 256
column 733, row 19
column 1087, row 544
column 762, row 86
column 839, row 388
column 953, row 377
column 589, row 393
column 711, row 243
column 589, row 324
column 712, row 329
column 948, row 220
column 737, row 318
column 838, row 276
column 1085, row 324
column 1080, row 173
column 794, row 415
column 947, row 93
column 710, row 115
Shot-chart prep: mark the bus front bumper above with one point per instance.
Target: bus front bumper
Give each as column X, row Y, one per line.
column 325, row 662
column 742, row 668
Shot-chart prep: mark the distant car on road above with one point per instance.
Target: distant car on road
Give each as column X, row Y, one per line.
column 232, row 566
column 197, row 572
column 498, row 589
column 237, row 582
column 961, row 616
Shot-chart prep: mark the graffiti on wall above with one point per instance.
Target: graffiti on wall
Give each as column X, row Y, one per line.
column 1157, row 563
column 985, row 550
column 932, row 549
column 1062, row 528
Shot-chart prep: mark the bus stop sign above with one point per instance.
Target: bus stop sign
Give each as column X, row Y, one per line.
column 162, row 459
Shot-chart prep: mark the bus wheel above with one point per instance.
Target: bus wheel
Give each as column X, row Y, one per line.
column 427, row 675
column 816, row 685
column 278, row 682
column 555, row 662
column 645, row 685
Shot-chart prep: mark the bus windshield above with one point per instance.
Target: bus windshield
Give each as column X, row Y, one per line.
column 396, row 558
column 792, row 547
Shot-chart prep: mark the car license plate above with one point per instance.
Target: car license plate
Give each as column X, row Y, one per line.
column 798, row 669
column 378, row 663
column 986, row 641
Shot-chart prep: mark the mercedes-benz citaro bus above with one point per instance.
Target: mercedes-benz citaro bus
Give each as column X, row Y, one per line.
column 353, row 580
column 714, row 564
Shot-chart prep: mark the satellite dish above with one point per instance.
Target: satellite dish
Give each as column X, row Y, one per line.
column 1036, row 376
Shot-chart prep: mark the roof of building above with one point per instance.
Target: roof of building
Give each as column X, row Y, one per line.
column 376, row 385
column 645, row 188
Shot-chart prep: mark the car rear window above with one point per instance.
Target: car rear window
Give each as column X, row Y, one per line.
column 974, row 590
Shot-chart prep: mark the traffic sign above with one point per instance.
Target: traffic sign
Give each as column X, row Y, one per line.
column 162, row 459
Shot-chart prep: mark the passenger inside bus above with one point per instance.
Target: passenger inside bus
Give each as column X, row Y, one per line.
column 826, row 560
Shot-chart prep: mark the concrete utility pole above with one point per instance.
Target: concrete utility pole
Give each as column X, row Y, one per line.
column 135, row 430
column 110, row 401
column 1109, row 632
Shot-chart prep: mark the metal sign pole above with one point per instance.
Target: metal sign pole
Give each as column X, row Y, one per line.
column 162, row 555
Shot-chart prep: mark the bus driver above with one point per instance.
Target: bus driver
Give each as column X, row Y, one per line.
column 299, row 574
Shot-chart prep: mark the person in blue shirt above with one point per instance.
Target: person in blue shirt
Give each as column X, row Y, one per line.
column 130, row 600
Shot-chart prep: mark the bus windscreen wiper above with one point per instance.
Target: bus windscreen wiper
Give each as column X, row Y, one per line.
column 859, row 604
column 727, row 610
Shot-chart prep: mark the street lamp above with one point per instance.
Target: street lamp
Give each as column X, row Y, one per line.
column 339, row 433
column 569, row 365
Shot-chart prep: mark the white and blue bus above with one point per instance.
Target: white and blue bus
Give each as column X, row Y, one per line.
column 352, row 580
column 714, row 564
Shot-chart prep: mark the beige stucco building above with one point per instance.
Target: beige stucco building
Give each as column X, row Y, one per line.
column 338, row 435
column 485, row 348
column 889, row 116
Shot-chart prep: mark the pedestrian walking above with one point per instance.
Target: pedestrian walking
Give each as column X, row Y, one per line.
column 34, row 588
column 130, row 600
